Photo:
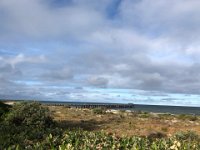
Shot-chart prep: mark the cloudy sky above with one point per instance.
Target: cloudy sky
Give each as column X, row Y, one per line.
column 129, row 51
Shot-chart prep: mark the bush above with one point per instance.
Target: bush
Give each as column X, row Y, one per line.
column 4, row 108
column 188, row 117
column 193, row 118
column 82, row 140
column 29, row 114
column 156, row 135
column 25, row 122
column 99, row 110
column 190, row 136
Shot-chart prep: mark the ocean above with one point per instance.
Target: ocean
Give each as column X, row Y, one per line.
column 141, row 107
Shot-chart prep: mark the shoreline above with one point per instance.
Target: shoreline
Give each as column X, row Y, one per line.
column 136, row 107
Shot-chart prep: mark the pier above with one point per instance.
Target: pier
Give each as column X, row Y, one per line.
column 107, row 106
column 79, row 105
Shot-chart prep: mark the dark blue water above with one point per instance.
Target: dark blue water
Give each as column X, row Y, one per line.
column 146, row 108
column 168, row 109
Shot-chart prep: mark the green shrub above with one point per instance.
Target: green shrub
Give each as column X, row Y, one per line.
column 29, row 126
column 193, row 118
column 188, row 117
column 25, row 123
column 164, row 129
column 99, row 110
column 83, row 140
column 165, row 116
column 156, row 135
column 189, row 135
column 4, row 108
column 29, row 114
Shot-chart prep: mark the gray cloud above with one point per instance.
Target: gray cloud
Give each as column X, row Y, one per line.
column 108, row 44
column 58, row 75
column 98, row 81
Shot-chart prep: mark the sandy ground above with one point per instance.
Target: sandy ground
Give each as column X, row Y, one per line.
column 125, row 123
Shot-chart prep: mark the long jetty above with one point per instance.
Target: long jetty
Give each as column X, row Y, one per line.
column 81, row 105
column 107, row 106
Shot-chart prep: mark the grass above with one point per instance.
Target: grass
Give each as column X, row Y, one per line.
column 188, row 117
column 83, row 129
column 124, row 123
column 99, row 110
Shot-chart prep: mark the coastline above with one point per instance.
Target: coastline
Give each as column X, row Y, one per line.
column 137, row 107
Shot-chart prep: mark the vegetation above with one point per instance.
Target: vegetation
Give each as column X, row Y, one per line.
column 24, row 123
column 4, row 108
column 188, row 117
column 99, row 110
column 29, row 114
column 123, row 123
column 84, row 140
column 33, row 126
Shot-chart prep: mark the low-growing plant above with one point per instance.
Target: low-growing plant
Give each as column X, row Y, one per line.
column 164, row 129
column 25, row 128
column 122, row 110
column 193, row 118
column 144, row 115
column 156, row 135
column 99, row 110
column 165, row 116
column 29, row 114
column 84, row 140
column 189, row 135
column 25, row 122
column 188, row 117
column 4, row 108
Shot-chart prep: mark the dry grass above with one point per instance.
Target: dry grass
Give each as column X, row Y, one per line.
column 124, row 123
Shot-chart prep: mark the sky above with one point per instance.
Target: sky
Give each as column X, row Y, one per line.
column 126, row 51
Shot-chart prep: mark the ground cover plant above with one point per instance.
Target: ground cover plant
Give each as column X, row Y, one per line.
column 35, row 126
column 124, row 123
column 85, row 140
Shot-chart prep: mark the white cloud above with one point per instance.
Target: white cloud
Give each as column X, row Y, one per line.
column 21, row 58
column 144, row 45
column 35, row 19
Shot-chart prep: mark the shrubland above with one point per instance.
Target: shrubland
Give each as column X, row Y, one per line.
column 30, row 125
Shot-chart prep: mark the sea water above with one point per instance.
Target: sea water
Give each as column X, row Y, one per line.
column 140, row 107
